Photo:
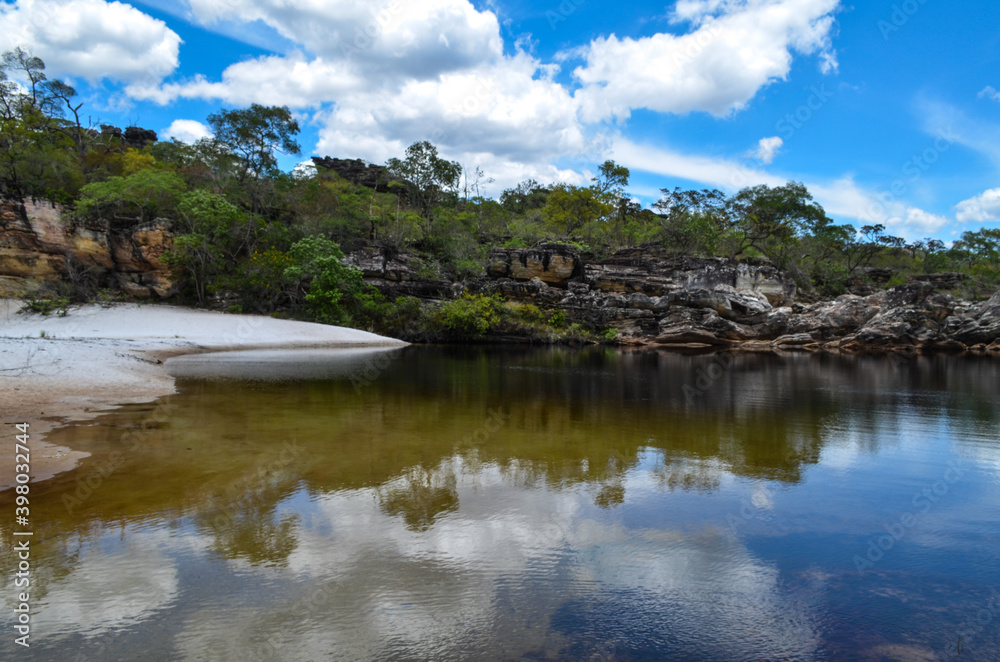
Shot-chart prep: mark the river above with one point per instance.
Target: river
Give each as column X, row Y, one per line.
column 442, row 503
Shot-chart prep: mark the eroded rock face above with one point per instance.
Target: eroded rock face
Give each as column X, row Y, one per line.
column 39, row 242
column 653, row 298
column 554, row 265
column 980, row 327
column 398, row 274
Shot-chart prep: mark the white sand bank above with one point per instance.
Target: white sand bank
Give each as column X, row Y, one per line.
column 57, row 369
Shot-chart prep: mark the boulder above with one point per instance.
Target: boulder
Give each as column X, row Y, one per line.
column 982, row 326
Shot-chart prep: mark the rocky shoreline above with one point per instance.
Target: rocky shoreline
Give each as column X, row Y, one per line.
column 654, row 299
column 651, row 298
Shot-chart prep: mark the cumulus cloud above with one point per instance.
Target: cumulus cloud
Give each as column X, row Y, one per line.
column 736, row 48
column 768, row 148
column 91, row 38
column 272, row 80
column 396, row 38
column 186, row 131
column 989, row 92
column 984, row 208
column 843, row 199
column 379, row 77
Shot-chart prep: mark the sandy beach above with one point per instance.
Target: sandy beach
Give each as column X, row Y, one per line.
column 54, row 370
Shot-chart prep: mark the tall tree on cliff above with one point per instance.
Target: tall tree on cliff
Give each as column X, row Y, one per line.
column 432, row 175
column 35, row 140
column 255, row 135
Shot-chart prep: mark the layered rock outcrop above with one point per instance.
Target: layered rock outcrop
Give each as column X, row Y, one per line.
column 41, row 242
column 657, row 299
column 648, row 296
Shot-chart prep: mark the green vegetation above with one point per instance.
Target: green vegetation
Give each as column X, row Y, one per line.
column 250, row 237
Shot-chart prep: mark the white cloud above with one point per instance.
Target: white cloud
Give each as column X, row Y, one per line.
column 91, row 38
column 920, row 220
column 186, row 131
column 843, row 199
column 736, row 48
column 984, row 208
column 768, row 148
column 419, row 39
column 990, row 93
column 273, row 80
column 379, row 79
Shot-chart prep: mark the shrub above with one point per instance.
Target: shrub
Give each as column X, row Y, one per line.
column 471, row 315
column 319, row 262
column 45, row 305
column 261, row 282
column 610, row 334
column 558, row 319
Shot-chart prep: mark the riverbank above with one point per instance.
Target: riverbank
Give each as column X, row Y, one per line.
column 54, row 370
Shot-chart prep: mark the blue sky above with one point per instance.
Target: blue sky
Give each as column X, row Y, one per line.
column 887, row 110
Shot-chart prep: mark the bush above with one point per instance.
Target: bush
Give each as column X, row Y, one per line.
column 133, row 199
column 471, row 315
column 319, row 262
column 526, row 313
column 45, row 305
column 261, row 282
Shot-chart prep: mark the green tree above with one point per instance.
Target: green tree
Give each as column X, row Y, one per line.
column 525, row 197
column 255, row 135
column 980, row 250
column 36, row 155
column 327, row 282
column 612, row 180
column 214, row 233
column 569, row 208
column 772, row 220
column 134, row 199
column 432, row 176
column 693, row 222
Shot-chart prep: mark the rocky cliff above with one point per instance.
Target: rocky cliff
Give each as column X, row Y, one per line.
column 653, row 298
column 40, row 241
column 650, row 297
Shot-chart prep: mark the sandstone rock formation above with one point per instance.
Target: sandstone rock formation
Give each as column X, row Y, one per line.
column 41, row 242
column 657, row 299
column 648, row 296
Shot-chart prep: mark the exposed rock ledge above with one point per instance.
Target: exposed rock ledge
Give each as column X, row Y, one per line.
column 39, row 241
column 656, row 299
column 651, row 297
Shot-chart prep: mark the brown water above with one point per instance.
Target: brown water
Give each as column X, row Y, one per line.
column 497, row 504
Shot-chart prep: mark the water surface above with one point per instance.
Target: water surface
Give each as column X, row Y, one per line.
column 507, row 504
